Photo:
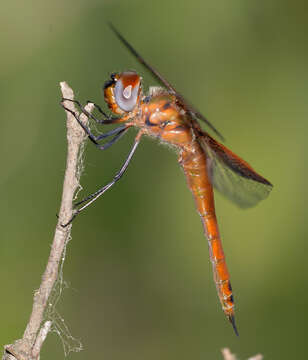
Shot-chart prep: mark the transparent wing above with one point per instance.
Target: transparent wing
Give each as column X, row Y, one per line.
column 180, row 99
column 233, row 176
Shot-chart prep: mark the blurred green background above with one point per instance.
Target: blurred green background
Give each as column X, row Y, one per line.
column 139, row 278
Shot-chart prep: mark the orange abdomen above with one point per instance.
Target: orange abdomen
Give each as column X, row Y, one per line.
column 194, row 163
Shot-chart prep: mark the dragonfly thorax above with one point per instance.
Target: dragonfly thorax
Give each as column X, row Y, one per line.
column 162, row 118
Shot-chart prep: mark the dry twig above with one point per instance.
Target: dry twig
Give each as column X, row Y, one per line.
column 29, row 347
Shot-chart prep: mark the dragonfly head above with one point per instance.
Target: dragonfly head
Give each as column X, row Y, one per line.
column 122, row 91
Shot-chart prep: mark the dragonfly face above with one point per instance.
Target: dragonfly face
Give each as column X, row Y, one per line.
column 122, row 92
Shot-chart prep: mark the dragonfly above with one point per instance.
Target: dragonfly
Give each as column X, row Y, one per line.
column 164, row 113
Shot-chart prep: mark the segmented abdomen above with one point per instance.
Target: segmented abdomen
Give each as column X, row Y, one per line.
column 194, row 163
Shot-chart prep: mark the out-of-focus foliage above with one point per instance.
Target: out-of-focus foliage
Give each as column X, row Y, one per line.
column 140, row 281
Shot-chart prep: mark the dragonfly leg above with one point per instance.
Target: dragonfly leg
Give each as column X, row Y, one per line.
column 118, row 136
column 106, row 120
column 110, row 119
column 118, row 132
column 91, row 198
column 100, row 110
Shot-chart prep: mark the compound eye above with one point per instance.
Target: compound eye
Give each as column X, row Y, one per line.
column 126, row 90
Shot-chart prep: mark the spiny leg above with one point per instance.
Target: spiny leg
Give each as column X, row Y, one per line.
column 91, row 198
column 106, row 120
column 113, row 140
column 119, row 131
column 99, row 109
column 114, row 119
column 116, row 177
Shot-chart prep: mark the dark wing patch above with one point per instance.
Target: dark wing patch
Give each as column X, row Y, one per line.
column 232, row 176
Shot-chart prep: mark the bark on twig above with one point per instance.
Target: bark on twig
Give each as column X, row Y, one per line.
column 40, row 339
column 28, row 348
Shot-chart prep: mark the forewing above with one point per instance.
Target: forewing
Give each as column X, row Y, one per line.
column 180, row 99
column 233, row 176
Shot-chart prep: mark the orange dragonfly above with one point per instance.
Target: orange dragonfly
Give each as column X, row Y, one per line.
column 164, row 114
